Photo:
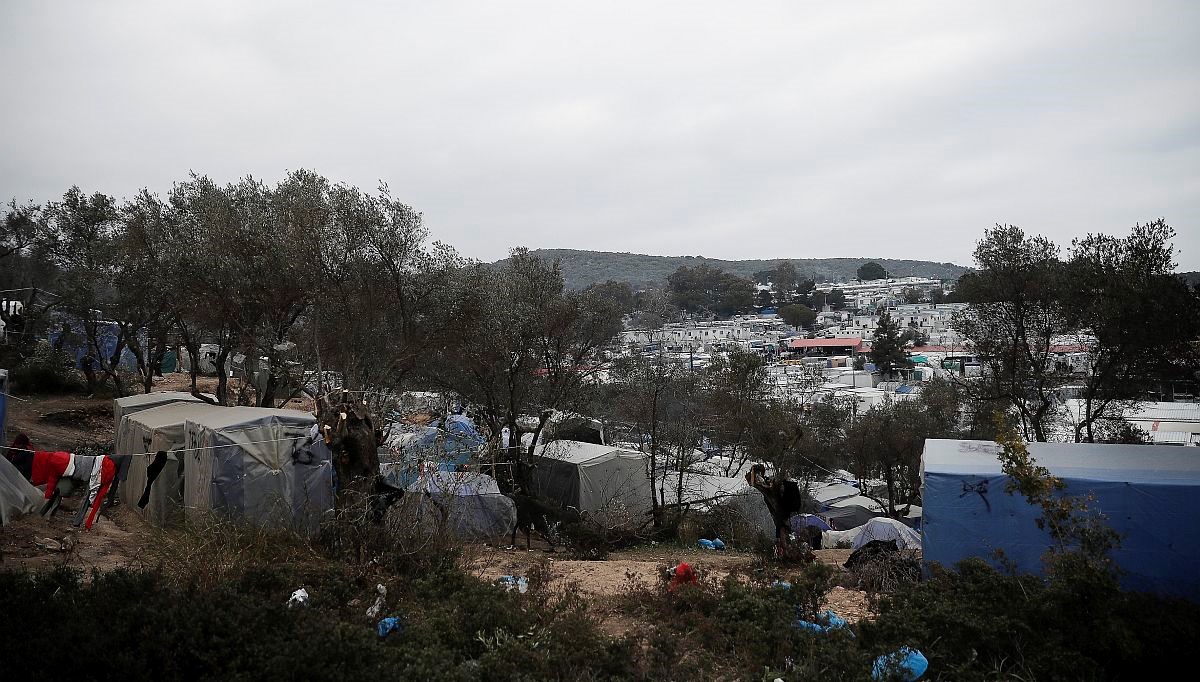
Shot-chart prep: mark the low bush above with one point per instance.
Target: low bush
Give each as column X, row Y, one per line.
column 976, row 623
column 45, row 371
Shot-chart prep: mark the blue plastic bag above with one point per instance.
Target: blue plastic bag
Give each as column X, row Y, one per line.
column 388, row 626
column 832, row 622
column 911, row 664
column 718, row 544
column 705, row 544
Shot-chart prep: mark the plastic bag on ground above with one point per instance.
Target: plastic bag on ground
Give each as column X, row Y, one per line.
column 910, row 663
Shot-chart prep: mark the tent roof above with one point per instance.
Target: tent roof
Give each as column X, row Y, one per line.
column 173, row 413
column 156, row 398
column 1163, row 464
column 576, row 452
column 236, row 416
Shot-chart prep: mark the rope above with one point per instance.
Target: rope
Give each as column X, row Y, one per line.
column 9, row 395
column 213, row 447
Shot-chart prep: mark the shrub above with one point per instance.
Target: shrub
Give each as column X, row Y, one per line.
column 45, row 371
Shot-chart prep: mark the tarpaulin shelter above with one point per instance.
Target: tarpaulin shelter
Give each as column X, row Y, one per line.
column 886, row 529
column 257, row 464
column 17, row 496
column 593, row 478
column 132, row 404
column 1147, row 493
column 468, row 504
column 145, row 401
column 845, row 518
column 149, row 431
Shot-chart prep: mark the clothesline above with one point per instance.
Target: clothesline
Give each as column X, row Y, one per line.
column 212, row 447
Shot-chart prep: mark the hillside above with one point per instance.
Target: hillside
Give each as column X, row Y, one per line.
column 581, row 268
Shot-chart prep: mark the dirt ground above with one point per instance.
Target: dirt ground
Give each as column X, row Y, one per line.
column 601, row 582
column 65, row 422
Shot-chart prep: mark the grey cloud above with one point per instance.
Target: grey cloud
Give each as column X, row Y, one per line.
column 781, row 129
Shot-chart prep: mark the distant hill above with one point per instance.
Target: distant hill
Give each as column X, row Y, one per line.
column 1192, row 278
column 582, row 268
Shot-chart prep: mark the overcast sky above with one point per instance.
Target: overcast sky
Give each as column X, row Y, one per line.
column 729, row 130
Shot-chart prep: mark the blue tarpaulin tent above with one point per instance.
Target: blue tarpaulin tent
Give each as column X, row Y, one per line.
column 1147, row 492
column 76, row 343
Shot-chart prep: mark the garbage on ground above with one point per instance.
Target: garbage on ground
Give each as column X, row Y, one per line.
column 299, row 597
column 389, row 625
column 682, row 574
column 510, row 582
column 782, row 584
column 378, row 605
column 832, row 622
column 910, row 663
column 711, row 544
column 48, row 544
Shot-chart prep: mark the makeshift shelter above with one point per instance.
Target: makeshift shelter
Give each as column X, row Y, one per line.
column 593, row 478
column 17, row 496
column 468, row 504
column 145, row 401
column 257, row 464
column 149, row 431
column 1146, row 492
column 882, row 528
column 847, row 517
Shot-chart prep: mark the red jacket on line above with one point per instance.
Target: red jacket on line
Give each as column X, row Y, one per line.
column 48, row 467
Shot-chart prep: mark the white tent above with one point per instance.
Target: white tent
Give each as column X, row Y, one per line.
column 258, row 464
column 886, row 529
column 151, row 430
column 601, row 479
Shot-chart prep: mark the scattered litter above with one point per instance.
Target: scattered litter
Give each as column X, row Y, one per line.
column 299, row 597
column 48, row 544
column 681, row 575
column 910, row 663
column 832, row 622
column 782, row 584
column 389, row 625
column 509, row 582
column 378, row 605
column 711, row 544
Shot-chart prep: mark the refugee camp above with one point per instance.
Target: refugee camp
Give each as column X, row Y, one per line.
column 611, row 341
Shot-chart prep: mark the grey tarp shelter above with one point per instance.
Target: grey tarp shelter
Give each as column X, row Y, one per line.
column 468, row 504
column 132, row 404
column 1147, row 492
column 259, row 465
column 601, row 479
column 144, row 401
column 151, row 430
column 17, row 496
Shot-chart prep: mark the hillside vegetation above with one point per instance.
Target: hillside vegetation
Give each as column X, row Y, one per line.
column 582, row 268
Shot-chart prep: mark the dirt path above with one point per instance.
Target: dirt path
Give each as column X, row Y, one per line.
column 35, row 543
column 601, row 582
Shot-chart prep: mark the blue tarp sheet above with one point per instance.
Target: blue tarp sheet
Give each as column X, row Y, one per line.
column 1147, row 492
column 77, row 344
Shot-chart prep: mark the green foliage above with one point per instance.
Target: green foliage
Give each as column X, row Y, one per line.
column 888, row 348
column 870, row 271
column 976, row 623
column 45, row 371
column 705, row 289
column 797, row 315
column 1083, row 540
